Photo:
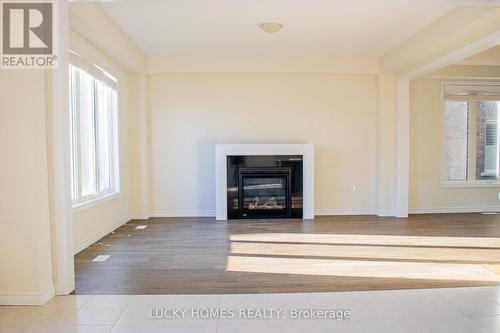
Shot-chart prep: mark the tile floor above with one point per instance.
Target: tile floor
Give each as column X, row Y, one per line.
column 454, row 310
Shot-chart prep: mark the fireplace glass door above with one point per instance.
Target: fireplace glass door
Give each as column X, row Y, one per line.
column 264, row 194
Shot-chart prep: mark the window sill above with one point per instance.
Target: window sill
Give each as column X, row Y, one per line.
column 469, row 185
column 95, row 202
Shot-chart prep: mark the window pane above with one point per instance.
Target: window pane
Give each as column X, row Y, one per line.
column 92, row 105
column 104, row 105
column 487, row 141
column 456, row 116
column 87, row 135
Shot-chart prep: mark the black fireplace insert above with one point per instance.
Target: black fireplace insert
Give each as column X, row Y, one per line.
column 264, row 186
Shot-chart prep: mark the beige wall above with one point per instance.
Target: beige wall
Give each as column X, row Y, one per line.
column 425, row 156
column 92, row 221
column 25, row 242
column 89, row 20
column 139, row 143
column 193, row 112
column 386, row 145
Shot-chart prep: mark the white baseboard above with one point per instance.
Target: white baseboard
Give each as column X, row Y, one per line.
column 141, row 216
column 95, row 237
column 22, row 298
column 210, row 213
column 326, row 212
column 385, row 212
column 182, row 213
column 451, row 210
column 322, row 212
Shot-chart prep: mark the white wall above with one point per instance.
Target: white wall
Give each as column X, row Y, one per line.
column 425, row 156
column 25, row 241
column 91, row 223
column 190, row 113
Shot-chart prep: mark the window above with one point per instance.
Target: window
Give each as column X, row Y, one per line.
column 93, row 104
column 471, row 135
column 487, row 140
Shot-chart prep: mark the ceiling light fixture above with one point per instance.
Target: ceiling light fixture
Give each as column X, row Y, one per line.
column 271, row 27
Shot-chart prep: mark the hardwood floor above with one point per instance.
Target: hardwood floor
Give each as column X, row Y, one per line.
column 341, row 253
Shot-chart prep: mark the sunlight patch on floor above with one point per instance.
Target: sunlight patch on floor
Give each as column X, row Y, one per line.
column 478, row 242
column 369, row 256
column 369, row 252
column 360, row 268
column 493, row 268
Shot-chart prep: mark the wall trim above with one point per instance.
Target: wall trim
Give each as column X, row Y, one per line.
column 451, row 210
column 183, row 213
column 141, row 216
column 24, row 298
column 326, row 212
column 211, row 213
column 95, row 237
column 385, row 212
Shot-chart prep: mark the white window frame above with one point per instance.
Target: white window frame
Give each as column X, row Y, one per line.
column 471, row 151
column 114, row 190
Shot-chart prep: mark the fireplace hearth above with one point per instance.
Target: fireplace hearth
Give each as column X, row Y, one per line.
column 264, row 186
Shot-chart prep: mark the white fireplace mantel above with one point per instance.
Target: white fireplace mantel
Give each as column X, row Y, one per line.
column 223, row 151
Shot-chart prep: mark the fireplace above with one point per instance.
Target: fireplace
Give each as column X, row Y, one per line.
column 233, row 160
column 264, row 186
column 264, row 192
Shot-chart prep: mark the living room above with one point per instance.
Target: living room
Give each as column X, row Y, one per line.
column 329, row 153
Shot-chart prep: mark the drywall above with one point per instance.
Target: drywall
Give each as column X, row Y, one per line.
column 255, row 64
column 139, row 144
column 190, row 113
column 460, row 27
column 426, row 194
column 90, row 222
column 25, row 242
column 386, row 145
column 467, row 72
column 88, row 20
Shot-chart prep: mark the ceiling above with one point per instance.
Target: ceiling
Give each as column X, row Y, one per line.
column 342, row 28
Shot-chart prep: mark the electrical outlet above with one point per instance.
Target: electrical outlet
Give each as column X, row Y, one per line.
column 353, row 188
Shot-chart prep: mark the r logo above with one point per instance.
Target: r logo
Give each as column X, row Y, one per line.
column 27, row 28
